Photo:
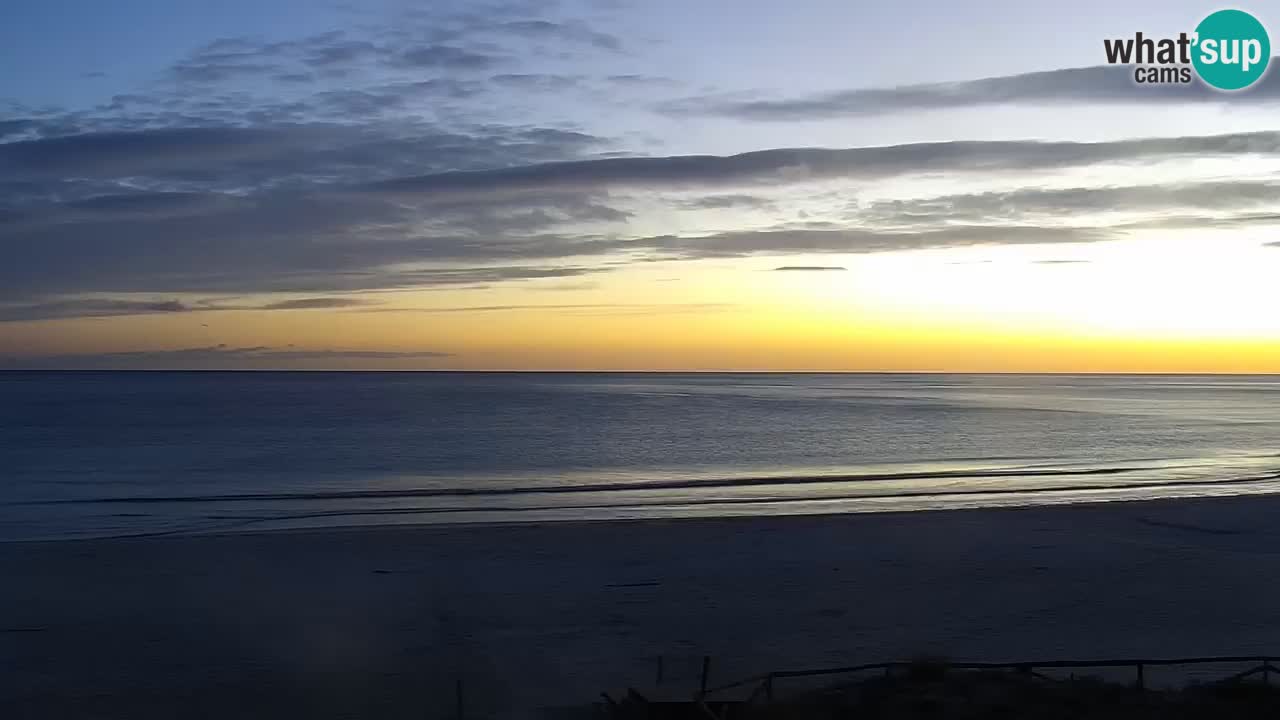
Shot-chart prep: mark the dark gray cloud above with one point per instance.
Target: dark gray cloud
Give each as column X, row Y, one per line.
column 573, row 31
column 88, row 307
column 1026, row 203
column 114, row 154
column 537, row 82
column 725, row 202
column 338, row 52
column 808, row 268
column 212, row 357
column 238, row 159
column 314, row 303
column 278, row 354
column 1098, row 84
column 634, row 80
column 425, row 38
column 444, row 57
column 803, row 164
column 80, row 307
column 781, row 242
column 1185, row 221
column 475, row 276
column 581, row 308
column 324, row 242
column 291, row 242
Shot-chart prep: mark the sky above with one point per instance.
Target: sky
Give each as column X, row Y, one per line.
column 810, row 185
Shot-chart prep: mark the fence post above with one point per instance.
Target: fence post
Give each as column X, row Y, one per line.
column 706, row 670
column 1142, row 680
column 462, row 712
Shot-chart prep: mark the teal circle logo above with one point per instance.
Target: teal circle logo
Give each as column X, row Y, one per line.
column 1231, row 50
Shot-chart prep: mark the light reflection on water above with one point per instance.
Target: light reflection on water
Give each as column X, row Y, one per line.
column 101, row 454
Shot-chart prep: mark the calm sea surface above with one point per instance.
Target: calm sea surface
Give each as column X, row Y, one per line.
column 89, row 454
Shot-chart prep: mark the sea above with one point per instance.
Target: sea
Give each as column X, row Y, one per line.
column 153, row 454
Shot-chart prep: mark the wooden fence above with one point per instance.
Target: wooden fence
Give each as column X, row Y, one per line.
column 765, row 685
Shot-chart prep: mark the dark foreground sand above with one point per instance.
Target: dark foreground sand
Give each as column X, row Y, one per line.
column 381, row 622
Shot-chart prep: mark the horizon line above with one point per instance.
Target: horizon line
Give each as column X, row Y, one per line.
column 641, row 372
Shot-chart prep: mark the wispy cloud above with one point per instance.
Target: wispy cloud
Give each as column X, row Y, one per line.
column 88, row 307
column 572, row 308
column 1100, row 84
column 444, row 57
column 425, row 38
column 807, row 164
column 860, row 241
column 1038, row 204
column 319, row 303
column 210, row 357
column 114, row 307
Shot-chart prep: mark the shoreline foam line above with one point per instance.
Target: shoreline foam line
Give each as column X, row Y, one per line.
column 599, row 487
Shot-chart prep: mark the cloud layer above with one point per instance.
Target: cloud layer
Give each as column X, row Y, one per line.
column 453, row 149
column 533, row 221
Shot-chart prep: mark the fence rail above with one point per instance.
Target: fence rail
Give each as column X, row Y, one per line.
column 764, row 683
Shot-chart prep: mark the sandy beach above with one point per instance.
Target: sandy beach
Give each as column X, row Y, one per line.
column 382, row 622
